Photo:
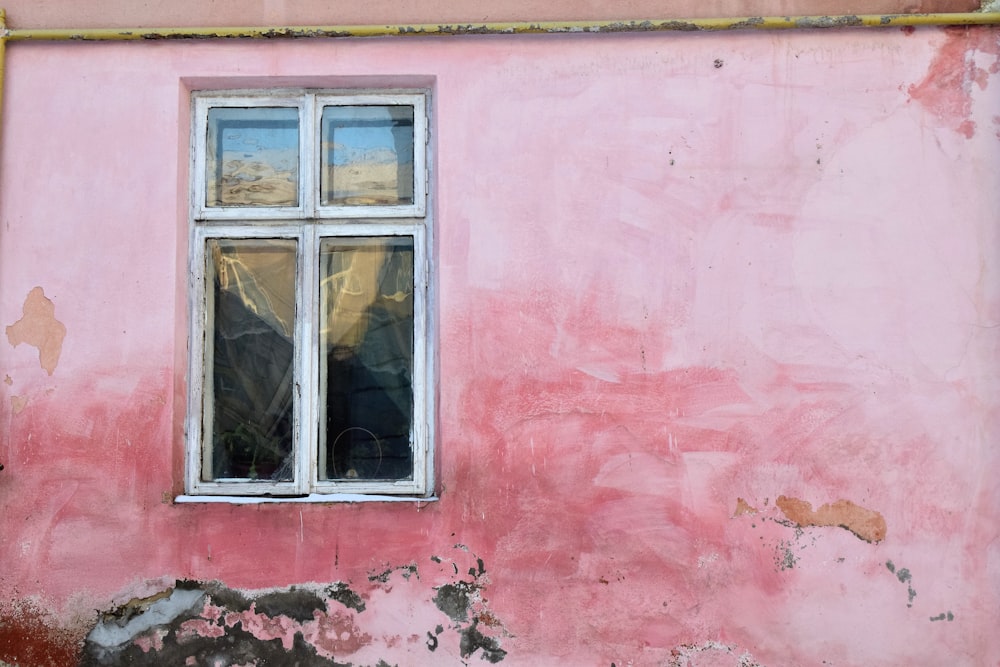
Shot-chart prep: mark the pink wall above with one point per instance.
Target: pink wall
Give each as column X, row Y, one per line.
column 685, row 281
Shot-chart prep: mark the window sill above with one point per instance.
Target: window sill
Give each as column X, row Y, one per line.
column 311, row 498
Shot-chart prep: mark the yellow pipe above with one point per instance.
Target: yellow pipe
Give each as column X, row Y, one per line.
column 704, row 24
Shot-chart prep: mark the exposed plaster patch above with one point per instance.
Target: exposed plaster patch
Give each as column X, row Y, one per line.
column 18, row 403
column 867, row 524
column 743, row 507
column 119, row 628
column 39, row 328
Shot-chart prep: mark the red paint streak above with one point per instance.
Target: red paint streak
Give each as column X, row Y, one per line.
column 945, row 90
column 335, row 635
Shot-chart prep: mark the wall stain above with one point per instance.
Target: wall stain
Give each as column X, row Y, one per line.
column 39, row 328
column 866, row 524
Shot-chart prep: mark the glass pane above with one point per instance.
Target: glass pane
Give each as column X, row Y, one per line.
column 252, row 157
column 367, row 156
column 251, row 349
column 366, row 343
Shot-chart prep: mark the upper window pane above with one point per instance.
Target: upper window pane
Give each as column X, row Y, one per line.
column 367, row 155
column 252, row 157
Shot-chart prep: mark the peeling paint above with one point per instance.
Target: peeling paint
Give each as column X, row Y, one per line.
column 743, row 507
column 39, row 328
column 196, row 622
column 946, row 90
column 18, row 403
column 710, row 652
column 208, row 622
column 867, row 524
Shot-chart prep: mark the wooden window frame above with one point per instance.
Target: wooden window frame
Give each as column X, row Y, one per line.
column 308, row 223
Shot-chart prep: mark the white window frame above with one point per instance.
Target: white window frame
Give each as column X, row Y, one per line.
column 307, row 224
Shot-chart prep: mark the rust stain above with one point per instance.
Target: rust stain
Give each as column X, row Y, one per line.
column 28, row 637
column 39, row 328
column 18, row 403
column 743, row 507
column 867, row 524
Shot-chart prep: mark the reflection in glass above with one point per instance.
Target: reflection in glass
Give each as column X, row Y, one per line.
column 367, row 156
column 250, row 352
column 252, row 157
column 366, row 366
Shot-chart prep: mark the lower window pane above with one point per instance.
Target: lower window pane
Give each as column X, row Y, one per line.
column 366, row 358
column 250, row 341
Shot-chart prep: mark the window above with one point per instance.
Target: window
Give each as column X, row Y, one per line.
column 310, row 368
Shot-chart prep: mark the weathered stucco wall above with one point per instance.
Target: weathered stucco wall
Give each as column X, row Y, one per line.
column 718, row 339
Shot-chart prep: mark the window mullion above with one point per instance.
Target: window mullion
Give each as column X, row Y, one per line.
column 309, row 149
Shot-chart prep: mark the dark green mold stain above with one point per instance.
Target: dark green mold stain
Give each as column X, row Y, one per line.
column 480, row 572
column 904, row 576
column 473, row 640
column 345, row 596
column 455, row 599
column 944, row 616
column 383, row 577
column 236, row 646
column 293, row 603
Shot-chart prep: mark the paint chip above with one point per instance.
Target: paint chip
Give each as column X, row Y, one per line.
column 743, row 507
column 39, row 328
column 18, row 403
column 867, row 524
